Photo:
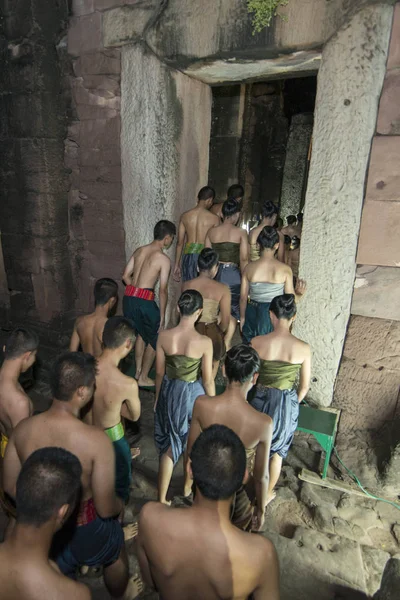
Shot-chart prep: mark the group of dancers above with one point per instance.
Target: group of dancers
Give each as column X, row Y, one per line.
column 232, row 444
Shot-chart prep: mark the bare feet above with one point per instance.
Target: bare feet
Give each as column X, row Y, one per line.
column 134, row 589
column 146, row 382
column 84, row 570
column 166, row 502
column 135, row 452
column 271, row 497
column 130, row 531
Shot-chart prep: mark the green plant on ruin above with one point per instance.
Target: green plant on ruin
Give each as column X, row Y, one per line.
column 263, row 12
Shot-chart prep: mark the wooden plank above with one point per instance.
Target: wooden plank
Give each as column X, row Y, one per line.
column 332, row 484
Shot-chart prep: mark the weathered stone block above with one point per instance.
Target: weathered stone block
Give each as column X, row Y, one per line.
column 32, row 115
column 104, row 157
column 85, row 34
column 390, row 585
column 379, row 242
column 100, row 175
column 107, row 62
column 374, row 565
column 94, row 97
column 394, row 49
column 106, row 4
column 103, row 85
column 43, row 215
column 384, row 170
column 389, row 109
column 86, row 112
column 104, row 194
column 376, row 292
column 100, row 132
column 82, row 7
column 126, row 24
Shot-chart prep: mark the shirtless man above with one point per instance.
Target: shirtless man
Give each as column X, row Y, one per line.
column 94, row 537
column 88, row 329
column 215, row 321
column 269, row 217
column 193, row 227
column 147, row 265
column 231, row 244
column 235, row 191
column 19, row 355
column 116, row 395
column 291, row 228
column 231, row 409
column 196, row 553
column 47, row 491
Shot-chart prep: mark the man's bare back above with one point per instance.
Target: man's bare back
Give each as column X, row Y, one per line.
column 89, row 329
column 28, row 578
column 197, row 222
column 15, row 405
column 195, row 556
column 145, row 266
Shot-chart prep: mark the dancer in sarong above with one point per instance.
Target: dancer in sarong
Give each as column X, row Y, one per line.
column 88, row 329
column 148, row 265
column 216, row 321
column 231, row 244
column 262, row 280
column 183, row 356
column 283, row 357
column 231, row 409
column 269, row 216
column 196, row 553
column 192, row 231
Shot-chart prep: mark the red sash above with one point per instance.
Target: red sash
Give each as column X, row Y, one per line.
column 87, row 513
column 144, row 294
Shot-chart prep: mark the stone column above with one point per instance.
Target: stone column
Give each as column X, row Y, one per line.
column 166, row 120
column 349, row 86
column 295, row 170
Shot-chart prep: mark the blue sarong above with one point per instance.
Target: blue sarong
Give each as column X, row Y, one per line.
column 174, row 414
column 229, row 274
column 283, row 407
column 257, row 320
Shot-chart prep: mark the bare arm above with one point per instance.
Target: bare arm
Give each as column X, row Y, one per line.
column 300, row 286
column 261, row 472
column 160, row 369
column 21, row 409
column 244, row 251
column 11, row 468
column 244, row 293
column 281, row 250
column 164, row 276
column 132, row 403
column 103, row 477
column 225, row 309
column 178, row 251
column 207, row 242
column 127, row 276
column 305, row 376
column 75, row 341
column 141, row 552
column 268, row 586
column 207, row 368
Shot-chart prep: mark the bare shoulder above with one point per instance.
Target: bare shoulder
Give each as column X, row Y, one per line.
column 150, row 511
column 214, row 219
column 262, row 550
column 206, row 342
column 78, row 591
column 163, row 259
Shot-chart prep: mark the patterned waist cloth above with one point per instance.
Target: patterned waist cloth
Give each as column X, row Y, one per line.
column 87, row 513
column 116, row 432
column 193, row 248
column 143, row 293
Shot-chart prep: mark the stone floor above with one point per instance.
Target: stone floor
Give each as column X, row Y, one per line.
column 331, row 545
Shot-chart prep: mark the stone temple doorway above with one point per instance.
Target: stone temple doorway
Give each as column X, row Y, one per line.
column 261, row 136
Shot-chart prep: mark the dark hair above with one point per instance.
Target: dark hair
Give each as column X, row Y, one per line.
column 235, row 191
column 104, row 290
column 288, row 239
column 19, row 341
column 284, row 307
column 230, row 207
column 116, row 331
column 49, row 478
column 189, row 302
column 269, row 210
column 164, row 228
column 300, row 218
column 241, row 363
column 206, row 193
column 70, row 371
column 268, row 237
column 208, row 258
column 218, row 462
column 291, row 219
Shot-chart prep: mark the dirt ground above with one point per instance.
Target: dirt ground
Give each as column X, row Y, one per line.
column 331, row 545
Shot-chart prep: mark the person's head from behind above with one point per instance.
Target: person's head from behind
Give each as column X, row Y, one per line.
column 270, row 212
column 283, row 310
column 48, row 488
column 291, row 220
column 106, row 293
column 218, row 463
column 236, row 191
column 241, row 367
column 119, row 335
column 300, row 219
column 208, row 262
column 73, row 377
column 165, row 231
column 190, row 304
column 268, row 238
column 295, row 243
column 231, row 211
column 21, row 346
column 206, row 196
